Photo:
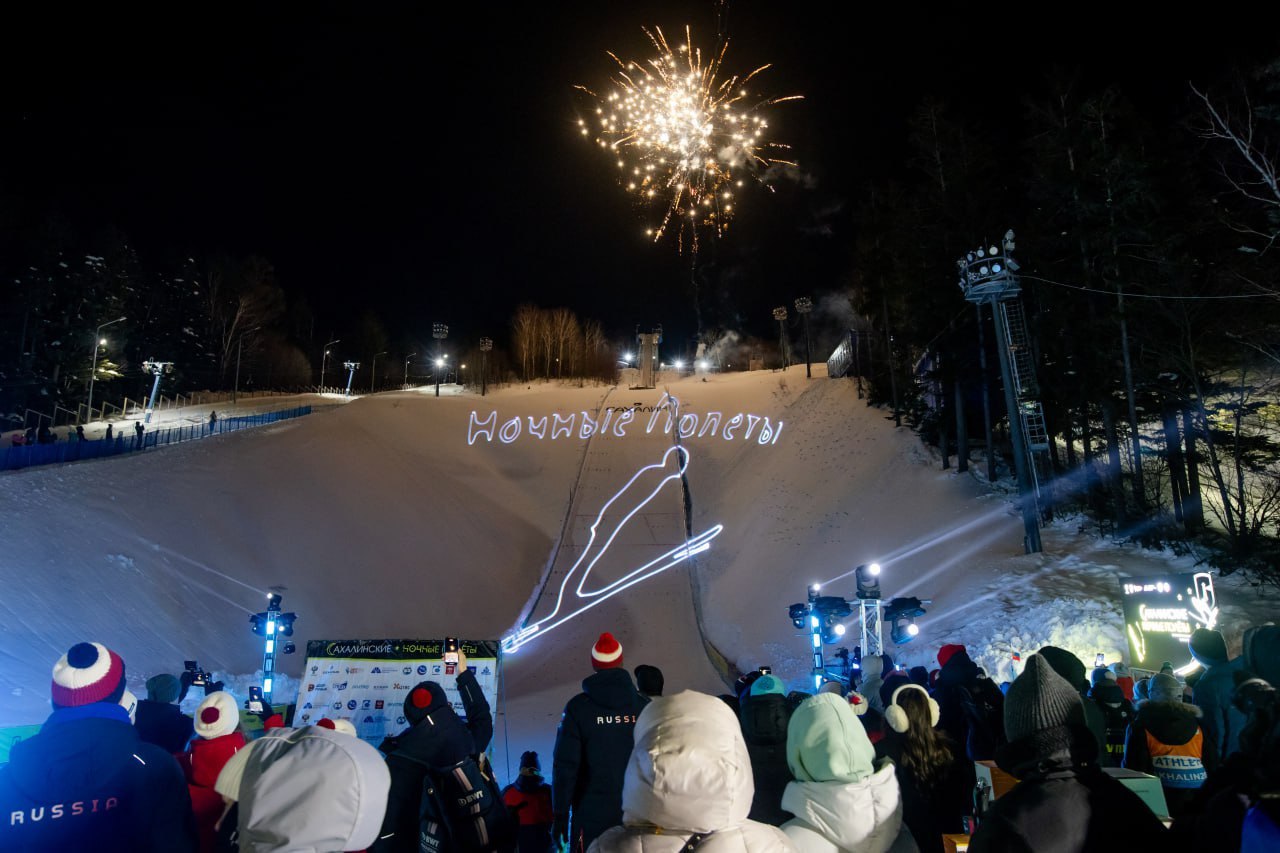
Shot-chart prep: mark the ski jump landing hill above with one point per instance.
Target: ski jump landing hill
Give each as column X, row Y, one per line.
column 543, row 515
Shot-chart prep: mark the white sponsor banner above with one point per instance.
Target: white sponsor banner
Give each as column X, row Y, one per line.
column 366, row 681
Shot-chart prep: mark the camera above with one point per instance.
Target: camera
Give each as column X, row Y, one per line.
column 451, row 650
column 254, row 704
column 199, row 677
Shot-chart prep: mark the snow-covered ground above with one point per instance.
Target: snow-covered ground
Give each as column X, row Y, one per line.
column 380, row 519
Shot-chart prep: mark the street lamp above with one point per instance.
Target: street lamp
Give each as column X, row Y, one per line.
column 439, row 331
column 804, row 305
column 486, row 345
column 98, row 341
column 373, row 378
column 324, row 359
column 406, row 370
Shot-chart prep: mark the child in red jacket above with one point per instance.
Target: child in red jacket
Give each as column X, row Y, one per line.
column 529, row 799
column 217, row 739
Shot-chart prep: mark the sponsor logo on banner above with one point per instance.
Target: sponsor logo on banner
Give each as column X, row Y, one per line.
column 337, row 705
column 332, row 670
column 342, row 686
column 436, row 669
column 377, row 704
column 376, row 670
column 381, row 686
column 366, row 704
column 408, row 670
column 306, row 706
column 400, row 720
column 351, row 706
column 351, row 670
column 422, row 669
column 314, row 669
column 399, row 686
column 306, row 717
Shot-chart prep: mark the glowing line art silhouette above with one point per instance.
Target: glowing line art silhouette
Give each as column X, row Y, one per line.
column 592, row 553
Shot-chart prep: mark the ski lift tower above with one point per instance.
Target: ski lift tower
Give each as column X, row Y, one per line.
column 647, row 359
column 987, row 276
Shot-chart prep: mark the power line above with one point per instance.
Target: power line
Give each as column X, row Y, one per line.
column 1130, row 295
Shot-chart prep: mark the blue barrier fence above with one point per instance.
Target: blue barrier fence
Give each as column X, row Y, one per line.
column 129, row 441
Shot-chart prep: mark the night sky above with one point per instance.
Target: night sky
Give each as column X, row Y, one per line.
column 424, row 161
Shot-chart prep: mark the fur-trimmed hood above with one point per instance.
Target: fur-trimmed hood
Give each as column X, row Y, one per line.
column 1170, row 722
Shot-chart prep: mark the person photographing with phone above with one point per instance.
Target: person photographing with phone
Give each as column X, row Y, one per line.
column 437, row 738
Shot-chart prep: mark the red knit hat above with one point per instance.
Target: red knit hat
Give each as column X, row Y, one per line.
column 607, row 652
column 945, row 653
column 87, row 673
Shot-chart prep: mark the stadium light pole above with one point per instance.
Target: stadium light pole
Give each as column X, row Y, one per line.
column 804, row 305
column 780, row 314
column 98, row 341
column 439, row 331
column 325, row 359
column 486, row 346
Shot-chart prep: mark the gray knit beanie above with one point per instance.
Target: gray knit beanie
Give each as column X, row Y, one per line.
column 1040, row 699
column 1164, row 688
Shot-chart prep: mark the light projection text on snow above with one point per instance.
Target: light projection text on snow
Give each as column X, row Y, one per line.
column 642, row 488
column 1161, row 613
column 615, row 421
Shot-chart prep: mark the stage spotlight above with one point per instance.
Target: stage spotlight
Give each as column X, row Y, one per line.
column 901, row 614
column 868, row 577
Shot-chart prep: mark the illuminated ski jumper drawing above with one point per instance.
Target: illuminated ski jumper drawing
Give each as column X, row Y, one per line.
column 640, row 489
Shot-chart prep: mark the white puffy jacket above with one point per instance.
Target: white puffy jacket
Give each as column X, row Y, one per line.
column 689, row 774
column 854, row 817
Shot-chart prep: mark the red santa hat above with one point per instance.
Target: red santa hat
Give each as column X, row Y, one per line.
column 217, row 715
column 607, row 652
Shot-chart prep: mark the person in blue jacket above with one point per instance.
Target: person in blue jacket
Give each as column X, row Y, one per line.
column 86, row 781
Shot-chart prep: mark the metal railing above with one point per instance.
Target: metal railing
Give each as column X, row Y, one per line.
column 130, row 441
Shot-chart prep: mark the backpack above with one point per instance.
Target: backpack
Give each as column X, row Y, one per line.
column 462, row 810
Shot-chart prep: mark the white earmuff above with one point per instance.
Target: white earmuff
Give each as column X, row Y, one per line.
column 897, row 718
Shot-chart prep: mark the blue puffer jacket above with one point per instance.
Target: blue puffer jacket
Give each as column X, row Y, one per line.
column 87, row 782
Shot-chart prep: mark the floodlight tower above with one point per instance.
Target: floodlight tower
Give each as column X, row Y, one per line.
column 803, row 306
column 780, row 314
column 987, row 276
column 439, row 331
column 352, row 367
column 157, row 368
column 486, row 346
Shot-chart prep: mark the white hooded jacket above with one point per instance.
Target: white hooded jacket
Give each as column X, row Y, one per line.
column 859, row 817
column 689, row 774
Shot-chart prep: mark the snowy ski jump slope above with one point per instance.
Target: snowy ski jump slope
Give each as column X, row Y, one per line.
column 380, row 519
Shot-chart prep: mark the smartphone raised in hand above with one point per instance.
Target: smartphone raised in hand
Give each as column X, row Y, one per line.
column 451, row 650
column 1100, row 660
column 254, row 704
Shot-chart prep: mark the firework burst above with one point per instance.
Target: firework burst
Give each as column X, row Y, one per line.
column 684, row 137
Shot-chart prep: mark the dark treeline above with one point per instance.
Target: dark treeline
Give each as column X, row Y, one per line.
column 1149, row 280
